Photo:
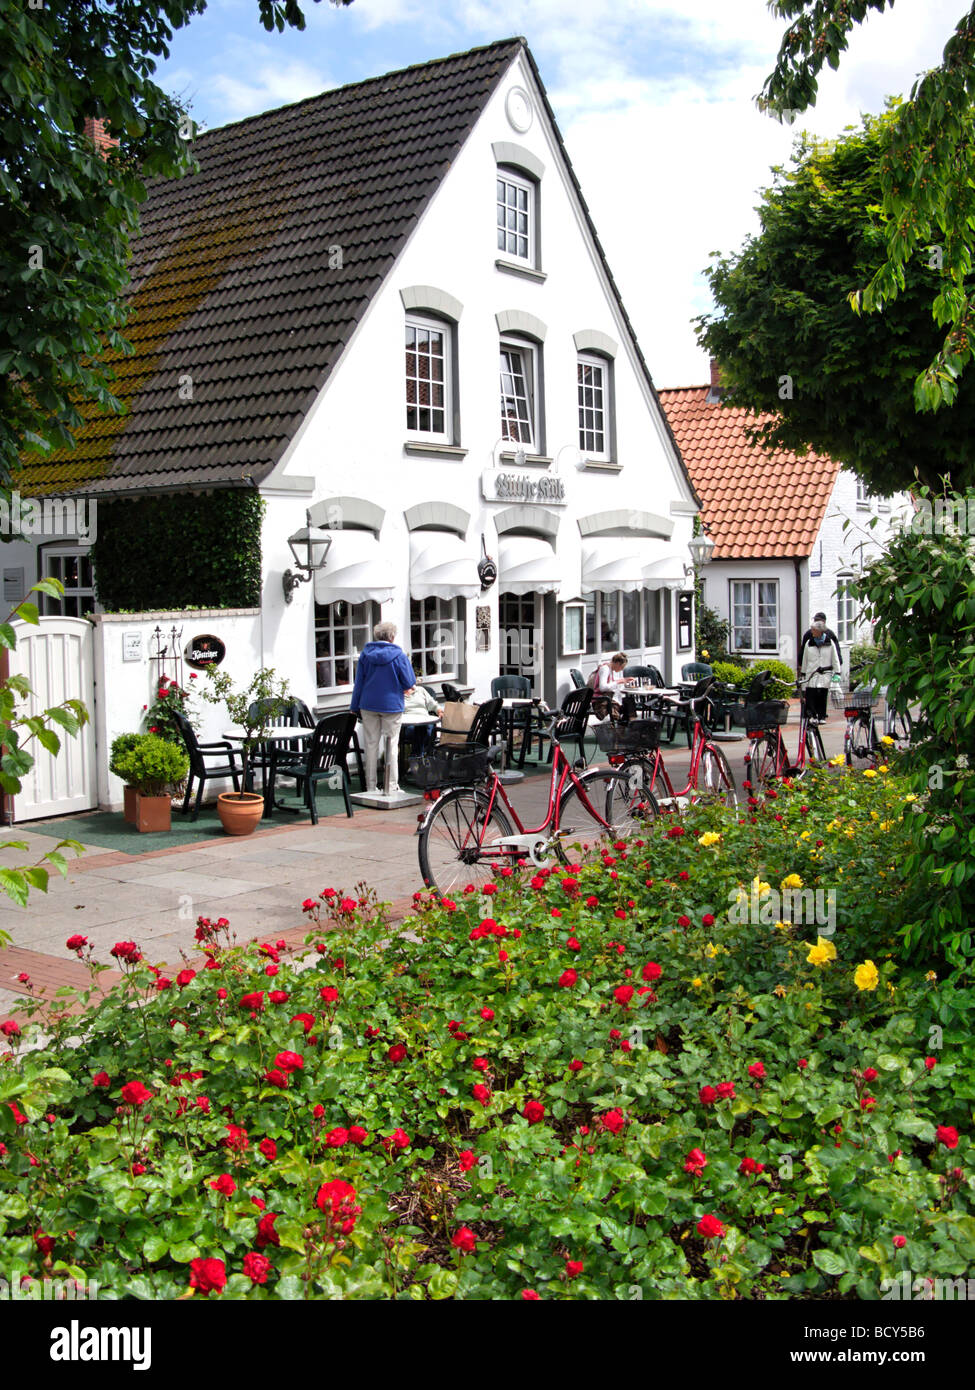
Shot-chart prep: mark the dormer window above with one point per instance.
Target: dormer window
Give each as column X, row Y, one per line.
column 515, row 200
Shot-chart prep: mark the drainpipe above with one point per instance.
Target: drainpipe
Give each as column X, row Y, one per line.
column 797, row 562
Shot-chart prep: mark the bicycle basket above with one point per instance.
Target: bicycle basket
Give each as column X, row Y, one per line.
column 864, row 697
column 450, row 766
column 636, row 736
column 762, row 715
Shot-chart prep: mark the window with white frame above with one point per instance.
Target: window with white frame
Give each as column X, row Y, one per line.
column 436, row 637
column 651, row 618
column 846, row 609
column 515, row 201
column 863, row 496
column 428, row 372
column 341, row 631
column 755, row 615
column 72, row 566
column 639, row 613
column 592, row 377
column 519, row 393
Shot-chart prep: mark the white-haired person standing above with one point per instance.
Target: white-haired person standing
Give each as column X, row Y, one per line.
column 383, row 676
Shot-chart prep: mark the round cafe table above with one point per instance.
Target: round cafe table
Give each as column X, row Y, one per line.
column 276, row 739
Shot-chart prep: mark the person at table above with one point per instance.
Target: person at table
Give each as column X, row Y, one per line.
column 609, row 686
column 383, row 677
column 420, row 738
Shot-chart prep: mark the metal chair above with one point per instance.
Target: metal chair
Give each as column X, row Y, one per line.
column 486, row 725
column 515, row 720
column 570, row 722
column 450, row 692
column 325, row 757
column 577, row 678
column 645, row 673
column 197, row 753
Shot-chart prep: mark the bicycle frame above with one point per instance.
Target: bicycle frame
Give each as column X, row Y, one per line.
column 699, row 742
column 783, row 767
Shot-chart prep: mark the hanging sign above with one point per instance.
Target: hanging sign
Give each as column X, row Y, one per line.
column 204, row 651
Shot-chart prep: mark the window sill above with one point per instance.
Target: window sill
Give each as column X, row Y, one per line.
column 531, row 460
column 602, row 465
column 864, row 507
column 422, row 449
column 527, row 272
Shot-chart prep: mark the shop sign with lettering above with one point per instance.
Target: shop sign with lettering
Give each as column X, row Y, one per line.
column 204, row 651
column 545, row 489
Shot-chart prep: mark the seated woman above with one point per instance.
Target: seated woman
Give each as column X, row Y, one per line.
column 420, row 738
column 609, row 686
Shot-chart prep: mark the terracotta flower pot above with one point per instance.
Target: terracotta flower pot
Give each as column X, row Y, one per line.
column 240, row 812
column 152, row 813
column 129, row 813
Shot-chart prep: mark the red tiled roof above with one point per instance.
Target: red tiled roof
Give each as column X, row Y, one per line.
column 754, row 505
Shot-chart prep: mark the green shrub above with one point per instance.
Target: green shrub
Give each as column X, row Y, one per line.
column 151, row 765
column 784, row 684
column 711, row 636
column 600, row 1139
column 121, row 747
column 730, row 674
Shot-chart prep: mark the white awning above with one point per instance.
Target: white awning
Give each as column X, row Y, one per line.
column 356, row 571
column 667, row 573
column 441, row 566
column 526, row 565
column 617, row 562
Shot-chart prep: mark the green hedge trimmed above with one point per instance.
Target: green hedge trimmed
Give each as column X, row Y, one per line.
column 179, row 551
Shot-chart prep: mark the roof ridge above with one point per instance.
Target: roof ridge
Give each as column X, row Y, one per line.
column 364, row 82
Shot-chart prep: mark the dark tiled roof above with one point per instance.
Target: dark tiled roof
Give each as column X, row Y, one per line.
column 754, row 505
column 231, row 283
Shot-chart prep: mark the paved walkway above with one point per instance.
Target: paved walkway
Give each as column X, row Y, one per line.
column 258, row 882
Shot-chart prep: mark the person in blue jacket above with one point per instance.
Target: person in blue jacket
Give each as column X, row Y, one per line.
column 383, row 676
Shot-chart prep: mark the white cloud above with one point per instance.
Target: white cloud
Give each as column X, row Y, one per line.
column 270, row 85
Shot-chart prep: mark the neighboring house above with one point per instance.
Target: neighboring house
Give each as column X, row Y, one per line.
column 782, row 549
column 386, row 306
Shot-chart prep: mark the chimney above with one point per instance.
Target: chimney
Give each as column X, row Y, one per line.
column 97, row 132
column 716, row 389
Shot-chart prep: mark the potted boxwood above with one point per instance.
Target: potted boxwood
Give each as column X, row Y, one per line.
column 254, row 708
column 151, row 766
column 120, row 747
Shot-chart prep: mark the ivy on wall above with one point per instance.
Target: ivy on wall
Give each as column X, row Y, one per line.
column 179, row 550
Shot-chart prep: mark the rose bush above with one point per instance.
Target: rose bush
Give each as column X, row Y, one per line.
column 713, row 1107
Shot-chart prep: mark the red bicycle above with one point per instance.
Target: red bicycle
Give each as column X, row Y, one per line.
column 767, row 758
column 472, row 829
column 709, row 777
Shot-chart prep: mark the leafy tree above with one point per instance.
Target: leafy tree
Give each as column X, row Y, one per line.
column 69, row 215
column 927, row 173
column 788, row 344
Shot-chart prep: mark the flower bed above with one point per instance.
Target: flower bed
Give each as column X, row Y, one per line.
column 631, row 1078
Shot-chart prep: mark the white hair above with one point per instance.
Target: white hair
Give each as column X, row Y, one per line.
column 384, row 632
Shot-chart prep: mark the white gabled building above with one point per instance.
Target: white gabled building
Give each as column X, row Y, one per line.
column 395, row 317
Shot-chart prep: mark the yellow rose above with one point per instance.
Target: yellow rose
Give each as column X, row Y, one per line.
column 822, row 953
column 710, row 838
column 869, row 772
column 780, row 991
column 931, row 975
column 865, row 976
column 883, row 768
column 910, row 797
column 886, row 824
column 806, row 835
column 697, row 982
column 888, row 740
column 838, row 761
column 761, row 888
column 792, row 881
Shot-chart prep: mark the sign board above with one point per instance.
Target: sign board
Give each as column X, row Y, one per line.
column 538, row 489
column 204, row 651
column 685, row 610
column 132, row 646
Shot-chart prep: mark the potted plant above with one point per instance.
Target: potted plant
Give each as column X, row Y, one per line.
column 253, row 708
column 150, row 766
column 120, row 747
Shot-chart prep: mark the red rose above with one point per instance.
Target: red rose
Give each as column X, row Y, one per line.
column 487, row 1015
column 757, row 1070
column 529, row 1296
column 397, row 1052
column 134, row 1093
column 337, row 1138
column 256, row 1267
column 534, row 1112
column 163, row 983
column 481, row 1064
column 266, row 1234
column 464, row 1240
column 9, row 1029
column 224, row 1185
column 568, row 978
column 726, row 1090
column 867, row 1102
column 481, row 1094
column 623, row 994
column 125, row 952
column 652, row 971
column 592, row 901
column 710, row 1228
column 467, row 1159
column 207, row 1275
column 76, row 943
column 803, row 1063
column 899, row 1242
column 254, row 1001
column 870, row 1074
column 573, row 1268
column 184, row 977
column 575, row 1065
column 45, row 1244
column 749, row 1165
column 707, row 1095
column 399, row 1139
column 318, row 1112
column 572, row 944
column 221, row 994
column 101, row 1078
column 307, row 1021
column 278, row 996
column 336, row 1200
column 269, row 1149
column 613, row 1120
column 329, row 994
column 289, row 1061
column 947, row 1135
column 276, row 1078
column 930, row 1063
column 695, row 1162
column 357, row 1135
column 707, row 920
column 236, row 1138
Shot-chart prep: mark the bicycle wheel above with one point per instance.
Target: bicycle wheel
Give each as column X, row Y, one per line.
column 899, row 726
column 859, row 743
column 763, row 765
column 621, row 799
column 815, row 752
column 715, row 779
column 455, row 842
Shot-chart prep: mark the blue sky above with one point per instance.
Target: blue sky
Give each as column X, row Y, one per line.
column 674, row 81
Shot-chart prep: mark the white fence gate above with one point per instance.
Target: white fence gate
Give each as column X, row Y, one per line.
column 56, row 657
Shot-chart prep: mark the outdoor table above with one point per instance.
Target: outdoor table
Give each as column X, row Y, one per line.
column 276, row 737
column 508, row 708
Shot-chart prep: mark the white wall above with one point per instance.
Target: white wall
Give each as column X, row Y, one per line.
column 717, row 595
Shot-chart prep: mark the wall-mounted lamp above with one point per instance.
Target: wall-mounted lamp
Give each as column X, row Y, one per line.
column 521, row 458
column 310, row 546
column 701, row 548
